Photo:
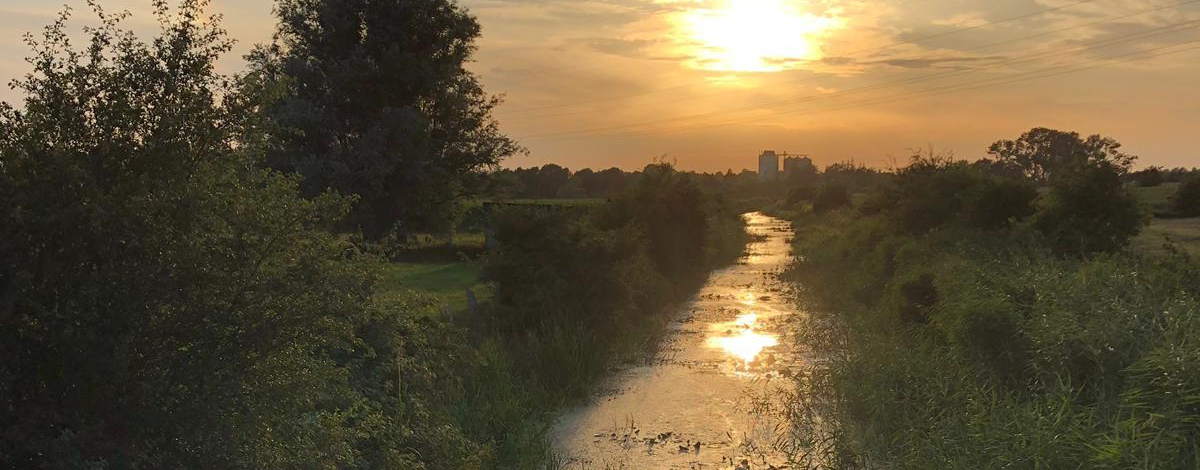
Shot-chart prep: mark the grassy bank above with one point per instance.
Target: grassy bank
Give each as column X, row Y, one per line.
column 974, row 346
column 566, row 292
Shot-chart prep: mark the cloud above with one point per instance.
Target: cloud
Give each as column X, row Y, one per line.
column 633, row 48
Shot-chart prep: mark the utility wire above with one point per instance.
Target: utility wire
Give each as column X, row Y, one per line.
column 1027, row 76
column 878, row 49
column 1175, row 27
column 812, row 78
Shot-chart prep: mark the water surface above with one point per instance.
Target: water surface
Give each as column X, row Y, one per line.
column 698, row 403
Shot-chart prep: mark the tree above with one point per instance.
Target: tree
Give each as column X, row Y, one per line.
column 167, row 302
column 1042, row 154
column 170, row 303
column 379, row 105
column 1186, row 200
column 1090, row 210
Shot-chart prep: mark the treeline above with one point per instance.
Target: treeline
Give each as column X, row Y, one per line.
column 552, row 181
column 989, row 315
column 190, row 269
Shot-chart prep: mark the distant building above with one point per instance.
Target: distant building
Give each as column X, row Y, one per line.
column 768, row 166
column 801, row 164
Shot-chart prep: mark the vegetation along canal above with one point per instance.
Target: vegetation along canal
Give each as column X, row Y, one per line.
column 700, row 402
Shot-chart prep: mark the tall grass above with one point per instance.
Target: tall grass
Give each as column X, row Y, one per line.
column 1021, row 360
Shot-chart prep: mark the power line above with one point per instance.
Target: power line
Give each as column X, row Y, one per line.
column 1048, row 54
column 881, row 48
column 1037, row 74
column 1031, row 14
column 808, row 79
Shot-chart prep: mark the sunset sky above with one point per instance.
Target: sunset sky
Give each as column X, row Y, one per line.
column 711, row 83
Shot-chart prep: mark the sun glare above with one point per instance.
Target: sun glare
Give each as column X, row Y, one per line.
column 745, row 343
column 754, row 35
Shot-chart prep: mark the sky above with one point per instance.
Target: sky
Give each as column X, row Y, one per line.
column 709, row 84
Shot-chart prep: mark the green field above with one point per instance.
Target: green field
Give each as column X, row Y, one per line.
column 1184, row 233
column 1155, row 197
column 445, row 280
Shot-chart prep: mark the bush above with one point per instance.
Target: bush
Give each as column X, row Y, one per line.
column 1186, row 200
column 935, row 192
column 1089, row 211
column 831, row 197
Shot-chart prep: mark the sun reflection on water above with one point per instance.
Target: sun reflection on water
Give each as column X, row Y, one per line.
column 744, row 343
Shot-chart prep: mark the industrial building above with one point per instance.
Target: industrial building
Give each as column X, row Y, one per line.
column 768, row 166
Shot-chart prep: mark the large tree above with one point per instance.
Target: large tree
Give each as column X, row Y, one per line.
column 1042, row 154
column 167, row 302
column 378, row 104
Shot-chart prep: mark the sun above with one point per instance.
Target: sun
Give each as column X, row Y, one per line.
column 754, row 35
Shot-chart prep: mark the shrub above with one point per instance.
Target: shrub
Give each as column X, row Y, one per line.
column 1186, row 200
column 831, row 197
column 998, row 202
column 1089, row 211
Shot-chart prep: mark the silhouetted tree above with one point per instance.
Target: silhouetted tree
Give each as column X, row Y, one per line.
column 376, row 103
column 1149, row 177
column 1042, row 154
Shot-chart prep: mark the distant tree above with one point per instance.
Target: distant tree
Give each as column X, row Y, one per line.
column 1149, row 177
column 1186, row 200
column 377, row 103
column 1042, row 154
column 548, row 180
column 610, row 182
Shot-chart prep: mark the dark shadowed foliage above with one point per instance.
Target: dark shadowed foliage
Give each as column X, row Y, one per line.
column 1090, row 210
column 376, row 103
column 830, row 197
column 169, row 303
column 933, row 192
column 1186, row 200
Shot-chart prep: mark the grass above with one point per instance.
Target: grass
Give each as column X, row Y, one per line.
column 1155, row 197
column 446, row 280
column 1185, row 233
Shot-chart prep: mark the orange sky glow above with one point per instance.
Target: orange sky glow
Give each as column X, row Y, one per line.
column 711, row 83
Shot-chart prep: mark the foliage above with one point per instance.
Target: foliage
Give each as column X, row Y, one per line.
column 377, row 103
column 1043, row 154
column 1149, row 177
column 1186, row 200
column 1026, row 360
column 830, row 197
column 170, row 303
column 932, row 192
column 578, row 285
column 1090, row 211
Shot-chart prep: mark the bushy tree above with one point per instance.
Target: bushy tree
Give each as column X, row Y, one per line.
column 1090, row 210
column 1186, row 200
column 168, row 302
column 1042, row 154
column 378, row 104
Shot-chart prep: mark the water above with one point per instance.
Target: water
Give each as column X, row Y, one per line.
column 723, row 361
